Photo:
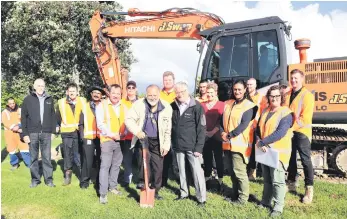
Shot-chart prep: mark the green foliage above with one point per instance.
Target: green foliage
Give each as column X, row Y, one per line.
column 51, row 40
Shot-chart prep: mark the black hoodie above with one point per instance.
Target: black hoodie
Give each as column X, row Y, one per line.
column 31, row 120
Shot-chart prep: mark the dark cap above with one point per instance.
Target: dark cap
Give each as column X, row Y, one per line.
column 91, row 89
column 284, row 84
column 131, row 83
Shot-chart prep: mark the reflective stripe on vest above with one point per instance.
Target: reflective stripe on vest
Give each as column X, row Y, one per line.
column 231, row 119
column 117, row 127
column 66, row 124
column 89, row 120
column 283, row 145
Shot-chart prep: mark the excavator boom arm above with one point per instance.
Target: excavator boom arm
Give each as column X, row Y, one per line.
column 175, row 23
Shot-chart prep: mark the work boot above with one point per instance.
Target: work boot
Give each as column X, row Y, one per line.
column 252, row 175
column 67, row 179
column 103, row 199
column 292, row 186
column 308, row 195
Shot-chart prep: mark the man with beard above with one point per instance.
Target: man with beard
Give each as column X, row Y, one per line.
column 10, row 117
column 90, row 136
column 151, row 118
column 68, row 118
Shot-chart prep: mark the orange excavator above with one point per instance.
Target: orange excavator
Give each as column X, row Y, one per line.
column 252, row 48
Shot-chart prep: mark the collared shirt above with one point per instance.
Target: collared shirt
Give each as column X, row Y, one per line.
column 42, row 104
column 167, row 96
column 293, row 95
column 183, row 106
column 99, row 113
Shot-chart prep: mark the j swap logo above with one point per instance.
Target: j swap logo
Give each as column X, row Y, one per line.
column 172, row 26
column 339, row 99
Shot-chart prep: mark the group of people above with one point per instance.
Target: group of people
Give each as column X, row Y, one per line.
column 188, row 135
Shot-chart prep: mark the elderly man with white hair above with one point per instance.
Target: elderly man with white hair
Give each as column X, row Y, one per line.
column 150, row 119
column 188, row 137
column 38, row 124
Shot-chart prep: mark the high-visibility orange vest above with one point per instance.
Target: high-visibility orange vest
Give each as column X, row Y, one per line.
column 231, row 119
column 284, row 145
column 70, row 120
column 114, row 123
column 303, row 107
column 128, row 104
column 168, row 97
column 261, row 102
column 89, row 121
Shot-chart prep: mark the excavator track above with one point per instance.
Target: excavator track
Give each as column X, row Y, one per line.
column 329, row 134
column 335, row 141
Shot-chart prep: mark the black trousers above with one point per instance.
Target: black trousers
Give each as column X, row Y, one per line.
column 251, row 163
column 213, row 148
column 154, row 164
column 88, row 158
column 170, row 162
column 302, row 144
column 40, row 141
column 71, row 153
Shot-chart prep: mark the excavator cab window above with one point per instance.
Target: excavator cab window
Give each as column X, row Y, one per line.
column 266, row 56
column 230, row 57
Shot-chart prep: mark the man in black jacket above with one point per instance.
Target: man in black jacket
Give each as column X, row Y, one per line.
column 188, row 137
column 38, row 123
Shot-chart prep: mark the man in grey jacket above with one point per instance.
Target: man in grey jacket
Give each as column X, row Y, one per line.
column 151, row 118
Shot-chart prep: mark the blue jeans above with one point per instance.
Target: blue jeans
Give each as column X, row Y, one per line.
column 26, row 158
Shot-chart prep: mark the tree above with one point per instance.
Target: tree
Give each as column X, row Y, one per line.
column 52, row 40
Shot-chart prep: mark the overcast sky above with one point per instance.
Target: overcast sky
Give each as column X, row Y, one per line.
column 322, row 22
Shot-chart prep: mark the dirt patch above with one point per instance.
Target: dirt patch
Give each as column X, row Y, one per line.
column 28, row 211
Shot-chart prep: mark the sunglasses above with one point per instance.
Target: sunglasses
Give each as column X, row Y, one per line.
column 131, row 88
column 276, row 96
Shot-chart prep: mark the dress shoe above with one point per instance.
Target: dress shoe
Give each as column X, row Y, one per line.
column 140, row 185
column 50, row 184
column 158, row 197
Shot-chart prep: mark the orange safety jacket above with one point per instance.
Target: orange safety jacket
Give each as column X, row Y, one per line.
column 89, row 122
column 128, row 104
column 303, row 107
column 11, row 118
column 114, row 123
column 70, row 120
column 284, row 145
column 231, row 119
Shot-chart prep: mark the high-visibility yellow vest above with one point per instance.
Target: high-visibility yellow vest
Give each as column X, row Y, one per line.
column 168, row 97
column 231, row 119
column 303, row 107
column 89, row 120
column 114, row 123
column 284, row 145
column 127, row 103
column 70, row 120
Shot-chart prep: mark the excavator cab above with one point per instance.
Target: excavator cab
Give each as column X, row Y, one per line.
column 253, row 48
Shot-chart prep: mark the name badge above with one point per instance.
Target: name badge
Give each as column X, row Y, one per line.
column 89, row 142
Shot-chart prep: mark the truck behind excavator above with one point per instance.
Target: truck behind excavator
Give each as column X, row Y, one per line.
column 252, row 48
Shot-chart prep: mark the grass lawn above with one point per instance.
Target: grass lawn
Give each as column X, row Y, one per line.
column 19, row 201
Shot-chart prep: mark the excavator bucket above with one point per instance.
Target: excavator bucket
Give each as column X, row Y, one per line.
column 147, row 194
